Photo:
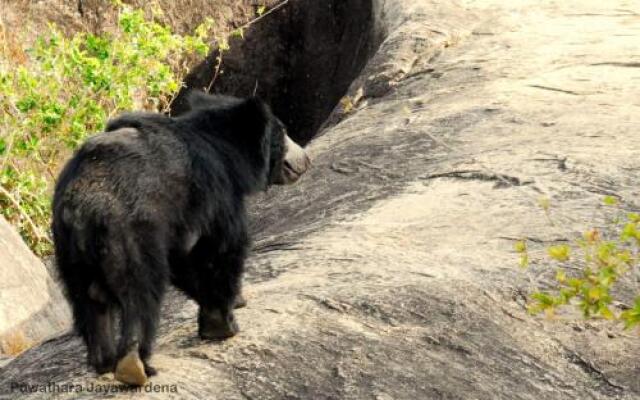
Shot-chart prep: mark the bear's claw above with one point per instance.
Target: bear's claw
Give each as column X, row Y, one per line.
column 240, row 301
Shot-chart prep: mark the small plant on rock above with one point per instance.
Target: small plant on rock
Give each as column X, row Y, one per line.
column 588, row 270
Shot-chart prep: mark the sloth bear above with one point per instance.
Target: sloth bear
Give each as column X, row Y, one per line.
column 157, row 199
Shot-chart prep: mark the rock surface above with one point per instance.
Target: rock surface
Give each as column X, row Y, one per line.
column 31, row 305
column 388, row 272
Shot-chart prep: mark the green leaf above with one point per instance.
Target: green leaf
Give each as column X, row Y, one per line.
column 633, row 217
column 544, row 300
column 575, row 283
column 26, row 104
column 520, row 246
column 544, row 202
column 238, row 33
column 223, row 45
column 610, row 201
column 98, row 47
column 606, row 312
column 631, row 317
column 560, row 252
column 566, row 295
column 524, row 260
column 630, row 231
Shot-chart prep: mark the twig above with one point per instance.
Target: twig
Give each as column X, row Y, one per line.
column 8, row 149
column 12, row 200
column 554, row 89
column 217, row 69
column 24, row 215
column 478, row 175
column 533, row 239
column 3, row 34
column 273, row 9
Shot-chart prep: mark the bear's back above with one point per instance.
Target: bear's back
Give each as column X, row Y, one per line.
column 126, row 172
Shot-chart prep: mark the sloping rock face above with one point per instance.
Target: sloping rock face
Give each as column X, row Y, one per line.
column 31, row 304
column 388, row 272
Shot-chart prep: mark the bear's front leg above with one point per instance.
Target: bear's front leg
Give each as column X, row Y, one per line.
column 216, row 324
column 219, row 293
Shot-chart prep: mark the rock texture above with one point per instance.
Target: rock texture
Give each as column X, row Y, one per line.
column 31, row 305
column 388, row 272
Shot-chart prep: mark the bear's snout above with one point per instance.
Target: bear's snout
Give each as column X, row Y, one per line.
column 296, row 161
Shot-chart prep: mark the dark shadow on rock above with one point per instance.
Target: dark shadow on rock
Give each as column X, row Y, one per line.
column 301, row 60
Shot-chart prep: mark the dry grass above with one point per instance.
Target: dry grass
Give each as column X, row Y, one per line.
column 10, row 48
column 97, row 16
column 14, row 343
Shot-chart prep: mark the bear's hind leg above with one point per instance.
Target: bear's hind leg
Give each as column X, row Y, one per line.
column 96, row 328
column 149, row 327
column 130, row 369
column 140, row 300
column 136, row 345
column 99, row 329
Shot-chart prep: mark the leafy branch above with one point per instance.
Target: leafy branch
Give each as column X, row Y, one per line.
column 601, row 263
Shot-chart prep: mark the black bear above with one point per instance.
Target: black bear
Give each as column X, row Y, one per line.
column 157, row 199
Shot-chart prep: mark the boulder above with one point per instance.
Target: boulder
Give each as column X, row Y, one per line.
column 31, row 304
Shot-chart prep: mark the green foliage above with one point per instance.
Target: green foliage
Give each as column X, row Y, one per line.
column 601, row 263
column 559, row 253
column 521, row 248
column 65, row 89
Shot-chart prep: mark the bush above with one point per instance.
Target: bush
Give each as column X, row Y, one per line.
column 588, row 271
column 62, row 89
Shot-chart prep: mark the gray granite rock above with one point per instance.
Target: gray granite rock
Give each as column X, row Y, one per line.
column 388, row 272
column 32, row 307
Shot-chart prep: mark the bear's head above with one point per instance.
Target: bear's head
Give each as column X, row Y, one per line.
column 287, row 161
column 257, row 132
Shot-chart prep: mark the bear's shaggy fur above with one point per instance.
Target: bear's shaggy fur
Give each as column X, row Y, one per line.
column 154, row 200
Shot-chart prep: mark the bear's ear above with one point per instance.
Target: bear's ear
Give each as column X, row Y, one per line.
column 252, row 116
